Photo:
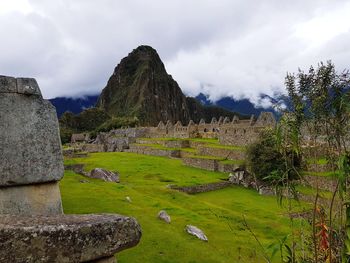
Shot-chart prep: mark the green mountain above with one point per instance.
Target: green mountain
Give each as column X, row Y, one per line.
column 140, row 87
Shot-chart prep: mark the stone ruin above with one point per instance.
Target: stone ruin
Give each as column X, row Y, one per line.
column 33, row 227
column 229, row 132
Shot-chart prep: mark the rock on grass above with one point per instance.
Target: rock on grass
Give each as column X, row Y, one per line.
column 195, row 231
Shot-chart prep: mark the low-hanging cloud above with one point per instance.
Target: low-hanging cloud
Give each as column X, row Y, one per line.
column 221, row 48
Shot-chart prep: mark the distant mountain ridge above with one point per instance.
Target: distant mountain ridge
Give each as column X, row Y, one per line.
column 74, row 105
column 244, row 106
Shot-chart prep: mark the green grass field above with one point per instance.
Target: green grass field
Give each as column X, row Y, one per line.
column 219, row 213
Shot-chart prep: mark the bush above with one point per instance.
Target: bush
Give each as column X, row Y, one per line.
column 117, row 122
column 65, row 135
column 263, row 157
column 268, row 164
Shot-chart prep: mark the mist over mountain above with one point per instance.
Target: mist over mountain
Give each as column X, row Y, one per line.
column 74, row 105
column 245, row 106
column 140, row 87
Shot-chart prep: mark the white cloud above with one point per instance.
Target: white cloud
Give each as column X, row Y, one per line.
column 225, row 47
column 21, row 6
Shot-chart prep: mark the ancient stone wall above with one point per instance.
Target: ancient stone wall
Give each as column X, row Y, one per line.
column 235, row 132
column 220, row 152
column 93, row 148
column 177, row 144
column 323, row 182
column 240, row 136
column 195, row 189
column 227, row 168
column 207, row 164
column 140, row 149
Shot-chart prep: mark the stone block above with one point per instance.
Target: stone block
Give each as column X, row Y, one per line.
column 30, row 146
column 8, row 84
column 38, row 199
column 28, row 86
column 66, row 238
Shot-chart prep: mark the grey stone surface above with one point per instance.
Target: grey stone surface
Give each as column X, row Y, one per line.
column 37, row 199
column 105, row 260
column 28, row 86
column 195, row 231
column 266, row 190
column 104, row 175
column 242, row 177
column 163, row 215
column 65, row 238
column 30, row 147
column 8, row 84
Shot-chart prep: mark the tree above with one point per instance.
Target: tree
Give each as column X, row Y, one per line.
column 320, row 110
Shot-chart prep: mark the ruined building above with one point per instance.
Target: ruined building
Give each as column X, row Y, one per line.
column 229, row 132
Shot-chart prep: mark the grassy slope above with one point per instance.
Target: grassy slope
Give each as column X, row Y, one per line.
column 144, row 179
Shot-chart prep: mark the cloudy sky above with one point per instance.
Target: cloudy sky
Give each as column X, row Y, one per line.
column 224, row 47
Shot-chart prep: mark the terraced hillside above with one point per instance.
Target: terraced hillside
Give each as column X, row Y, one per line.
column 219, row 213
column 206, row 154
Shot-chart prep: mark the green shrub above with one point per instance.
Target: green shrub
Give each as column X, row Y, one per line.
column 263, row 157
column 269, row 164
column 87, row 120
column 117, row 122
column 65, row 135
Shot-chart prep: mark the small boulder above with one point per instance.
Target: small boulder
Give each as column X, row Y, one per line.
column 163, row 215
column 195, row 231
column 104, row 175
column 266, row 190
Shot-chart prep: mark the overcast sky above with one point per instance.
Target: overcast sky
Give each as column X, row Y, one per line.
column 220, row 47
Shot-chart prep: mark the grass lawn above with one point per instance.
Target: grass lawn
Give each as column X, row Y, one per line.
column 327, row 174
column 219, row 213
column 306, row 190
column 320, row 161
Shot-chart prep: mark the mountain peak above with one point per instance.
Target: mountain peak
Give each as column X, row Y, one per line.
column 140, row 87
column 145, row 49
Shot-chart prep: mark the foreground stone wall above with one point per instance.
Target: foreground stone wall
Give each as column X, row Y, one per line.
column 30, row 149
column 66, row 238
column 32, row 225
column 31, row 126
